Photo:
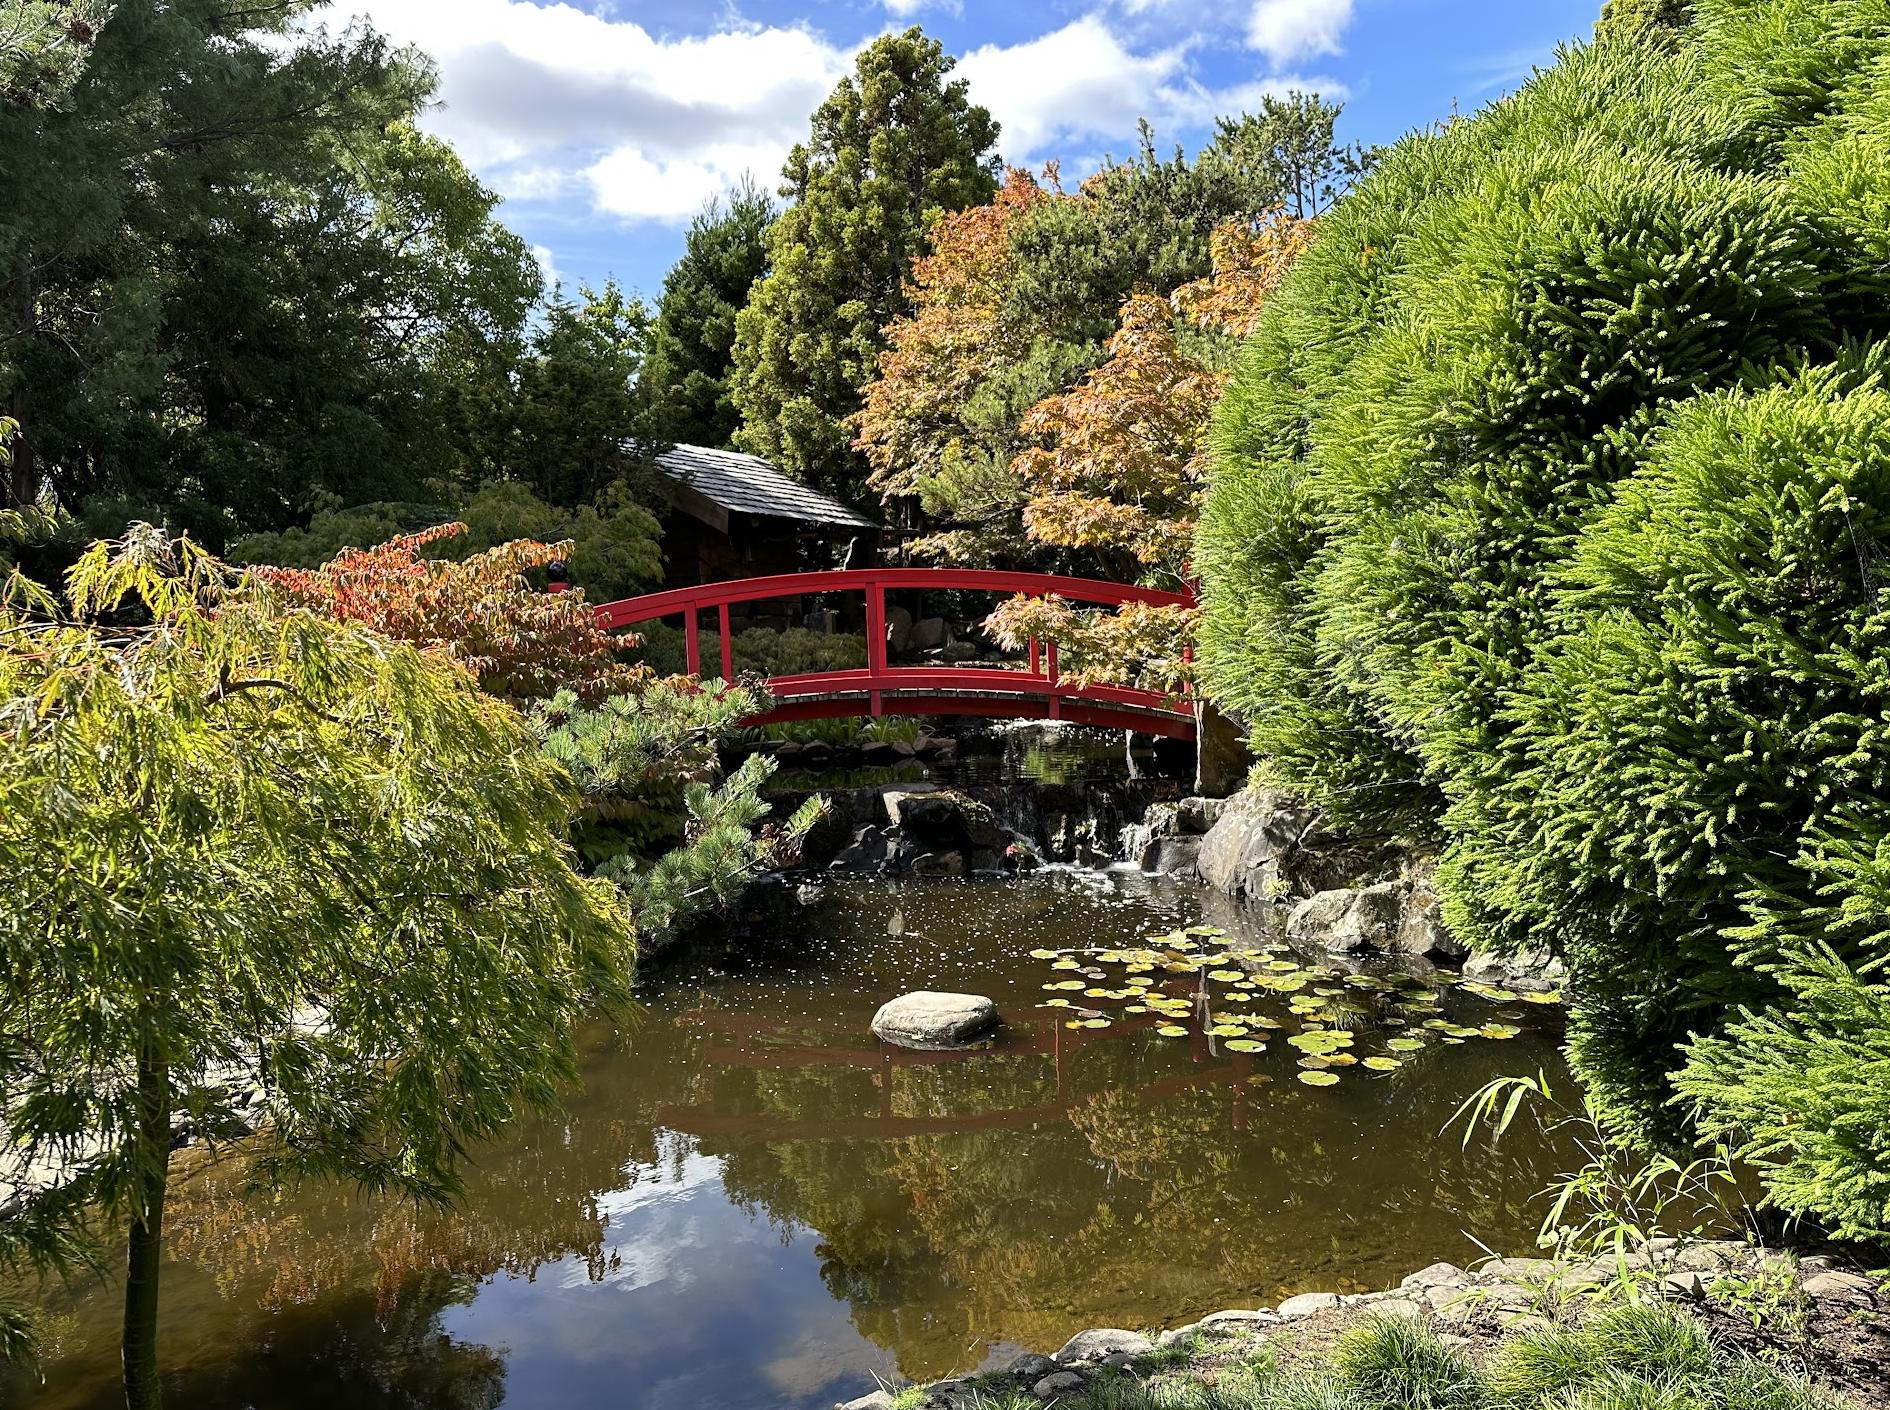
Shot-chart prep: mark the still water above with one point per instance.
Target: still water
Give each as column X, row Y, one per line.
column 750, row 1206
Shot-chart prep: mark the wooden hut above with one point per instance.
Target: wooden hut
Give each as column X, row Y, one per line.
column 736, row 516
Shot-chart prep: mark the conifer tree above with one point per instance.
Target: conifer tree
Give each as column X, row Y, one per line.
column 898, row 142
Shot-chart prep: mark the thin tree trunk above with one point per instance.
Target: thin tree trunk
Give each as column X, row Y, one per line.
column 151, row 1167
column 22, row 485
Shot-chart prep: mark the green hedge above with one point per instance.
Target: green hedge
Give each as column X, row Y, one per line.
column 1547, row 518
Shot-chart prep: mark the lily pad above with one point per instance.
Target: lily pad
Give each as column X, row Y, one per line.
column 1319, row 1079
column 1383, row 1064
column 1406, row 1045
column 1172, row 1030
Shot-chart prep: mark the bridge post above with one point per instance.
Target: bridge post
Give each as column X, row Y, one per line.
column 728, row 645
column 875, row 643
column 1050, row 671
column 692, row 641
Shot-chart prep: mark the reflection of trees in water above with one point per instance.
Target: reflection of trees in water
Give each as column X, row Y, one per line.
column 324, row 1296
column 1146, row 1202
column 1126, row 1192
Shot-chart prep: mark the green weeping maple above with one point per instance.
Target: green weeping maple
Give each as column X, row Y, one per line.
column 266, row 871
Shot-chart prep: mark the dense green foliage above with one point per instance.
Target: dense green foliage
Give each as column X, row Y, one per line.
column 233, row 273
column 655, row 819
column 685, row 381
column 299, row 881
column 615, row 550
column 897, row 142
column 1546, row 518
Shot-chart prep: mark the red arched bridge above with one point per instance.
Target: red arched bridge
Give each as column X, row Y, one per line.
column 1037, row 691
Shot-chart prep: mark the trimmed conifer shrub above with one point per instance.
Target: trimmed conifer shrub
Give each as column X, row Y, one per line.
column 1548, row 516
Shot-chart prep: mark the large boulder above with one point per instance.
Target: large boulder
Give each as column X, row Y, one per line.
column 930, row 633
column 898, row 629
column 1537, row 970
column 1099, row 1342
column 935, row 1021
column 1364, row 918
column 1250, row 850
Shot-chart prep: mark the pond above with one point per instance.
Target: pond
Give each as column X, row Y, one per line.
column 751, row 1206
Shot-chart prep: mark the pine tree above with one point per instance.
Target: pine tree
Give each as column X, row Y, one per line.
column 685, row 384
column 898, row 142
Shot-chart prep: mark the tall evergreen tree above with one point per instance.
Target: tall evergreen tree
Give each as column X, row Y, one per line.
column 685, row 382
column 896, row 143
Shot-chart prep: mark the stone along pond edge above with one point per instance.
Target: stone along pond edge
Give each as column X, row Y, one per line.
column 1812, row 1314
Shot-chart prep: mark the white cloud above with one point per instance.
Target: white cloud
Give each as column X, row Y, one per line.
column 547, row 266
column 1082, row 82
column 543, row 98
column 1286, row 30
column 553, row 103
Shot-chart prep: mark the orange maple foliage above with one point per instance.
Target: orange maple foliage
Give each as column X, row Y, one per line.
column 1120, row 466
column 1250, row 260
column 908, row 426
column 520, row 642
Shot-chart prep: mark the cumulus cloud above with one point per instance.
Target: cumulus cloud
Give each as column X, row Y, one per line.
column 553, row 103
column 1288, row 30
column 1083, row 82
column 544, row 98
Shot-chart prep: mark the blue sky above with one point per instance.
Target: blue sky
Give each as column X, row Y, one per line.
column 606, row 125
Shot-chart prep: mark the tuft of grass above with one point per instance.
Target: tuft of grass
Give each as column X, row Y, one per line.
column 1652, row 1340
column 1401, row 1361
column 1532, row 1367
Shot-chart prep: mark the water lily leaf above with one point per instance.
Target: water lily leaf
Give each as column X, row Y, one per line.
column 1383, row 1064
column 1319, row 1079
column 1095, row 1023
column 1499, row 1030
column 1135, row 1008
column 1406, row 1045
column 1172, row 1030
column 1067, row 964
column 1283, row 966
column 1227, row 1030
column 1340, row 1060
column 1244, row 1045
column 1224, row 975
column 1315, row 1061
column 1044, row 954
column 1054, row 1004
column 1553, row 996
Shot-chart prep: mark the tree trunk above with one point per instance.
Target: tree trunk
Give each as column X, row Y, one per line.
column 151, row 1156
column 22, row 481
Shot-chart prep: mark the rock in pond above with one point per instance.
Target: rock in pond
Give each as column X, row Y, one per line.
column 1345, row 920
column 935, row 1021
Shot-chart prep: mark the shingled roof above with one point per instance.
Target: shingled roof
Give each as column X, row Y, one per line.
column 747, row 484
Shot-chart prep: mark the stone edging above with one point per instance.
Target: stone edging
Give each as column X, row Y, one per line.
column 1505, row 1295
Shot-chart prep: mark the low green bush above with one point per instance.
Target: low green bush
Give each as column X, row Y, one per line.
column 757, row 651
column 1549, row 516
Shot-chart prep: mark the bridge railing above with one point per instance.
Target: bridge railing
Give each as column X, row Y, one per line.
column 1041, row 681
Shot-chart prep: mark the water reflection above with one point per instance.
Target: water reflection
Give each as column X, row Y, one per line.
column 750, row 1204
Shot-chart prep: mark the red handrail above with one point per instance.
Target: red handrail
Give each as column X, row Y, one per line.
column 1038, row 692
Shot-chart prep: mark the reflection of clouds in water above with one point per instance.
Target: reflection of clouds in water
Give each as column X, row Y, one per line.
column 678, row 1248
column 656, row 1224
column 816, row 1361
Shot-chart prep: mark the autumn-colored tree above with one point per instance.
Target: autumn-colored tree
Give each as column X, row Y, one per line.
column 939, row 422
column 520, row 642
column 1119, row 466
